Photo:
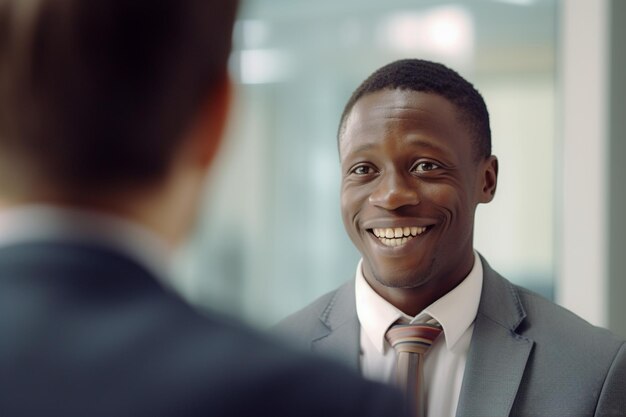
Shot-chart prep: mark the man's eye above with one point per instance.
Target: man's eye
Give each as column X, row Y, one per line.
column 362, row 170
column 425, row 167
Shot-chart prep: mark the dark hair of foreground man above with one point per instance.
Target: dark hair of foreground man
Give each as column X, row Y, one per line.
column 111, row 112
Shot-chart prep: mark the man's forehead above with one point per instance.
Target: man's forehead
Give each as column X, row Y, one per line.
column 413, row 119
column 415, row 108
column 399, row 98
column 397, row 103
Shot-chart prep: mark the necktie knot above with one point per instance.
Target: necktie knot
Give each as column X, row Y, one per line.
column 415, row 338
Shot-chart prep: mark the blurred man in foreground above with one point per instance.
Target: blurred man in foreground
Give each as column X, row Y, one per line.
column 111, row 112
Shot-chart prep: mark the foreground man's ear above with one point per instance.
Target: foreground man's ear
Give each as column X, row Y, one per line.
column 206, row 131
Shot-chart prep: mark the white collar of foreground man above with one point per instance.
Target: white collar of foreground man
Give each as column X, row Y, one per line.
column 40, row 222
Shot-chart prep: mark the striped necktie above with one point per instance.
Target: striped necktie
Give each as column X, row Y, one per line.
column 411, row 341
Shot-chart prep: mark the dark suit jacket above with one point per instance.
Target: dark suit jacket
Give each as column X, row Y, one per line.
column 86, row 331
column 527, row 357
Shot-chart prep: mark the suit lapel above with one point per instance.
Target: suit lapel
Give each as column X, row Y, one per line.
column 497, row 356
column 340, row 335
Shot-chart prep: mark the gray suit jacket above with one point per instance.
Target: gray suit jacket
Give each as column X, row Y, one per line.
column 527, row 357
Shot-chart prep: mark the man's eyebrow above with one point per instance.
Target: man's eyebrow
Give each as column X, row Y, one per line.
column 363, row 147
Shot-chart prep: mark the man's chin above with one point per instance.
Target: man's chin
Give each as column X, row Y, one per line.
column 410, row 276
column 402, row 281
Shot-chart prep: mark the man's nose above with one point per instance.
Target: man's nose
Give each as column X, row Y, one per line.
column 394, row 191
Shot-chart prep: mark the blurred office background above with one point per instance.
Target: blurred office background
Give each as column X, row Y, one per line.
column 271, row 237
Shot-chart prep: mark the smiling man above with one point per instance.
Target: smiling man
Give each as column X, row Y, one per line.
column 425, row 310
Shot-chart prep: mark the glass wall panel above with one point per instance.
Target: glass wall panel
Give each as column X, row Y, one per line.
column 271, row 237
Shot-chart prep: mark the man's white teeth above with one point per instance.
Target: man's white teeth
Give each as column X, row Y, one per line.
column 395, row 242
column 398, row 233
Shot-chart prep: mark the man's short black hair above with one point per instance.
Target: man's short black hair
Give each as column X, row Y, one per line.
column 98, row 93
column 430, row 77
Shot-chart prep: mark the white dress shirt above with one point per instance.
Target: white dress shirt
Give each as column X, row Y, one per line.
column 444, row 363
column 36, row 223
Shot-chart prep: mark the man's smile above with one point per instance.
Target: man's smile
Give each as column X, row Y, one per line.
column 397, row 236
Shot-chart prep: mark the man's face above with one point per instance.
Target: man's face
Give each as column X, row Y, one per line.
column 410, row 186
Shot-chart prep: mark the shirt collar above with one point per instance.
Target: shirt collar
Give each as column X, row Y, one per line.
column 455, row 311
column 34, row 223
column 374, row 312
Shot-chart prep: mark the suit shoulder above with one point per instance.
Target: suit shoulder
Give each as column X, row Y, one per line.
column 546, row 320
column 294, row 382
column 306, row 324
column 311, row 312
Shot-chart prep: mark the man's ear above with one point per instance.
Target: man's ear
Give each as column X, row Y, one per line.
column 207, row 128
column 488, row 179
